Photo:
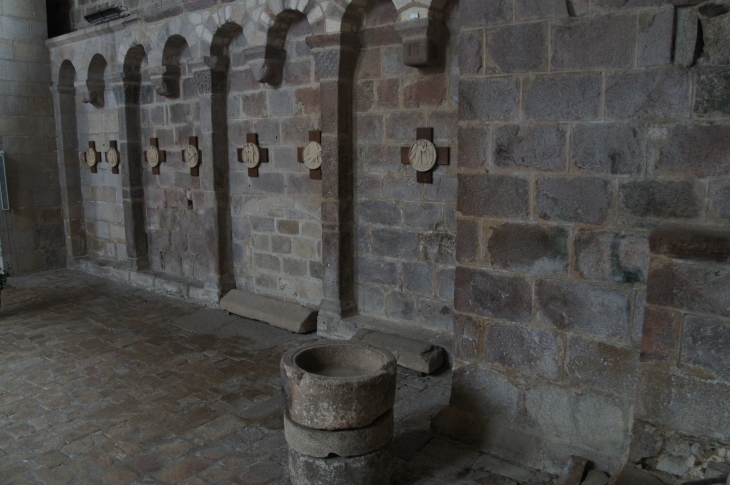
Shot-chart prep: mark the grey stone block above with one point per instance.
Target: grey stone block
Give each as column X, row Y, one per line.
column 704, row 345
column 286, row 315
column 686, row 38
column 712, row 91
column 608, row 148
column 488, row 99
column 494, row 196
column 607, row 256
column 376, row 271
column 418, row 278
column 318, row 443
column 517, row 48
column 400, row 306
column 527, row 350
column 602, row 366
column 598, row 42
column 532, row 146
column 660, row 93
column 479, row 13
column 585, row 199
column 656, row 32
column 562, row 97
column 529, row 248
column 493, row 295
column 541, row 9
column 411, row 354
column 700, row 150
column 470, row 53
column 378, row 212
column 664, row 199
column 485, row 392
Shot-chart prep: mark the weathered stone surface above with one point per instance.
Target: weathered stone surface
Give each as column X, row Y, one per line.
column 468, row 247
column 608, row 148
column 656, row 32
column 517, row 48
column 541, row 9
column 531, row 146
column 595, row 477
column 343, row 443
column 712, row 92
column 582, row 308
column 411, row 354
column 585, row 199
column 529, row 248
column 488, row 99
column 485, row 392
column 685, row 43
column 562, row 97
column 689, row 287
column 470, row 53
column 573, row 472
column 606, row 256
column 286, row 315
column 701, row 150
column 660, row 93
column 494, row 196
column 660, row 335
column 338, row 385
column 598, row 42
column 474, row 146
column 492, row 295
column 478, row 13
column 704, row 344
column 715, row 32
column 602, row 367
column 375, row 468
column 696, row 244
column 527, row 350
column 685, row 404
column 653, row 198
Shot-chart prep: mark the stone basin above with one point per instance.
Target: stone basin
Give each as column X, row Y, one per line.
column 338, row 385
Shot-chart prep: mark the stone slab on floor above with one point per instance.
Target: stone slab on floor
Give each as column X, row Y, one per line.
column 412, row 354
column 282, row 314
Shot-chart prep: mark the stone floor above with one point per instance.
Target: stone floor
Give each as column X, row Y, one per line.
column 104, row 383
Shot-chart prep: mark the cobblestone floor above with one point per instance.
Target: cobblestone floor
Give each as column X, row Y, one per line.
column 104, row 383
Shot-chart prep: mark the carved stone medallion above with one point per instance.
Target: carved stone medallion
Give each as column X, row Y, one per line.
column 90, row 157
column 423, row 155
column 152, row 154
column 312, row 155
column 192, row 157
column 250, row 155
column 112, row 157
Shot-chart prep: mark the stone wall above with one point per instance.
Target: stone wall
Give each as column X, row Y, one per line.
column 32, row 230
column 580, row 131
column 405, row 231
column 576, row 129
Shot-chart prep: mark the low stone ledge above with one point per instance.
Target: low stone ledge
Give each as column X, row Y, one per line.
column 282, row 314
column 412, row 354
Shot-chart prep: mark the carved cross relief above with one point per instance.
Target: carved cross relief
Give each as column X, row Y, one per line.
column 112, row 157
column 311, row 155
column 424, row 156
column 191, row 156
column 154, row 156
column 252, row 155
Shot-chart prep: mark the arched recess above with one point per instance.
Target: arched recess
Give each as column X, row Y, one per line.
column 64, row 97
column 95, row 84
column 166, row 78
column 220, row 62
column 131, row 148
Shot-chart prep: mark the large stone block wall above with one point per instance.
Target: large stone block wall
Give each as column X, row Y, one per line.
column 577, row 128
column 579, row 132
column 277, row 229
column 31, row 232
column 405, row 231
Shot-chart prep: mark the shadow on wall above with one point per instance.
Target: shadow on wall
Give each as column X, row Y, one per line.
column 58, row 14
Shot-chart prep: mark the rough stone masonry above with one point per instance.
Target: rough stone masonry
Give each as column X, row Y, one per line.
column 573, row 256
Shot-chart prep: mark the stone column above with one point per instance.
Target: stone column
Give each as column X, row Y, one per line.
column 130, row 145
column 211, row 76
column 69, row 168
column 335, row 56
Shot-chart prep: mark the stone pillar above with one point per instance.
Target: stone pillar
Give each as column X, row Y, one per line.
column 211, row 76
column 69, row 169
column 131, row 149
column 335, row 56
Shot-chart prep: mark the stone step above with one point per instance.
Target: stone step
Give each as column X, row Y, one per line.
column 412, row 354
column 282, row 314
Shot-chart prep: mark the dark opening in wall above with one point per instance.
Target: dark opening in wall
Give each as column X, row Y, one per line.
column 58, row 14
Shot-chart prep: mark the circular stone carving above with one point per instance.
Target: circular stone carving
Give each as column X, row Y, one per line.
column 153, row 156
column 250, row 155
column 112, row 157
column 423, row 155
column 338, row 385
column 90, row 157
column 192, row 157
column 312, row 155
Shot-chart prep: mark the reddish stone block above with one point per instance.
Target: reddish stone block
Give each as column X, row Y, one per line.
column 368, row 64
column 426, row 91
column 467, row 241
column 602, row 366
column 691, row 244
column 468, row 338
column 306, row 101
column 364, row 96
column 700, row 150
column 388, row 91
column 702, row 289
column 493, row 196
column 529, row 248
column 530, row 351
